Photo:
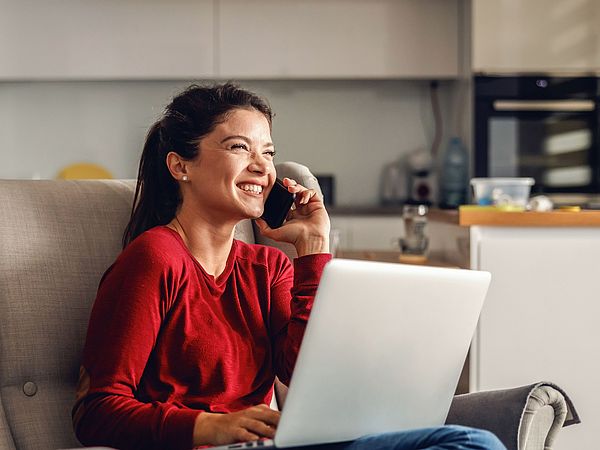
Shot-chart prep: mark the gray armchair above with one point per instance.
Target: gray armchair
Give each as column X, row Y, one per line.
column 56, row 240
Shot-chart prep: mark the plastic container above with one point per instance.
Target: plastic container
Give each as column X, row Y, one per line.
column 454, row 181
column 502, row 191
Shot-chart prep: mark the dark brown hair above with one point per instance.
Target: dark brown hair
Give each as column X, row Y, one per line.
column 189, row 117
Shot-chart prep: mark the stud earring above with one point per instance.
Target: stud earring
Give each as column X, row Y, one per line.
column 184, row 178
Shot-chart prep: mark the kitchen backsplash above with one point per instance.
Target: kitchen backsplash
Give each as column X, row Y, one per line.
column 350, row 129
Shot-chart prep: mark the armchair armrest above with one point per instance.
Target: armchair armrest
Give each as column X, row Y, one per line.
column 523, row 418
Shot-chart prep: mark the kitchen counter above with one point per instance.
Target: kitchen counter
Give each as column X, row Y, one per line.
column 434, row 259
column 469, row 217
column 434, row 214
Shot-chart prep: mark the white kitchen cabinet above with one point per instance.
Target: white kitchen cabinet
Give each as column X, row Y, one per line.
column 536, row 36
column 383, row 232
column 239, row 39
column 368, row 232
column 106, row 39
column 338, row 39
column 540, row 318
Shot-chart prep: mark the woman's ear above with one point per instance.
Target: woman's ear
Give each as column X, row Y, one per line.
column 177, row 166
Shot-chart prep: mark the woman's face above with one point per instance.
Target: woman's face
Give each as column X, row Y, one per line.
column 234, row 171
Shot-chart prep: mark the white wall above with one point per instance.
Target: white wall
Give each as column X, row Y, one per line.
column 348, row 128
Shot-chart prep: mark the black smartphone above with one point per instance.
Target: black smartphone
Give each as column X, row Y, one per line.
column 278, row 205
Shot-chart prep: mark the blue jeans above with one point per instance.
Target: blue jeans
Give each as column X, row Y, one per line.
column 448, row 437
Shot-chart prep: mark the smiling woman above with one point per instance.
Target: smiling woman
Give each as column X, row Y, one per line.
column 190, row 327
column 189, row 323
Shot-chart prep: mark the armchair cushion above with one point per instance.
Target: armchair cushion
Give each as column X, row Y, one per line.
column 56, row 240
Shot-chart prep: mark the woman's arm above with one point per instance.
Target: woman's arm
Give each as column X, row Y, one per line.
column 292, row 293
column 132, row 300
column 292, row 296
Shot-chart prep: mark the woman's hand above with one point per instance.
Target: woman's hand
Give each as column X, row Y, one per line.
column 307, row 225
column 247, row 425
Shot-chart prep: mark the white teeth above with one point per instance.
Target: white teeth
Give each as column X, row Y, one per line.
column 254, row 188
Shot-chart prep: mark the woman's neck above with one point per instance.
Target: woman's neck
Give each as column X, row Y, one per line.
column 210, row 244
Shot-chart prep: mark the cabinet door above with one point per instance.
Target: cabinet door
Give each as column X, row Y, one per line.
column 337, row 38
column 368, row 232
column 540, row 318
column 536, row 35
column 106, row 39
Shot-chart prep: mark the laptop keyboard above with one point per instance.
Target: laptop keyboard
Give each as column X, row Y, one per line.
column 253, row 444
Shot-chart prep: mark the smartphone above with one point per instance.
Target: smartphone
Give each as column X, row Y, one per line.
column 278, row 205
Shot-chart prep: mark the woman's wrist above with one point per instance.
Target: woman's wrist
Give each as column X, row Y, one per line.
column 312, row 244
column 203, row 429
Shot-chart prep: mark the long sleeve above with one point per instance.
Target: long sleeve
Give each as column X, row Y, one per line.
column 125, row 322
column 167, row 341
column 292, row 297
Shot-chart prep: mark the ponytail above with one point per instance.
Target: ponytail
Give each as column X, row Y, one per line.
column 155, row 191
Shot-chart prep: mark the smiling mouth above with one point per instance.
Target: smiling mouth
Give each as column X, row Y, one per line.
column 253, row 189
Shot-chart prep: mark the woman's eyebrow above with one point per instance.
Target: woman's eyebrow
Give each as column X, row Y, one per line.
column 236, row 136
column 244, row 138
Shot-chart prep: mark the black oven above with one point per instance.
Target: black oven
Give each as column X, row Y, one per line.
column 539, row 126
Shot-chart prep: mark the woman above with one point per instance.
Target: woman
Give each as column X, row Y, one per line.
column 190, row 326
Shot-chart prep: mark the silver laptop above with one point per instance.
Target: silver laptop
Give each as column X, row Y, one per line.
column 383, row 351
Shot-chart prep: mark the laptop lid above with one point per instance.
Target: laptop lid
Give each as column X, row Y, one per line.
column 383, row 350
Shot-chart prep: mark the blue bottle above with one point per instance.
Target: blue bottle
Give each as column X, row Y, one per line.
column 454, row 180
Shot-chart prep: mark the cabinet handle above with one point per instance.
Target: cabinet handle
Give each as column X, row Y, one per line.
column 544, row 105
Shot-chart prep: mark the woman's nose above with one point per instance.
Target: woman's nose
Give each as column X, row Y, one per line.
column 260, row 164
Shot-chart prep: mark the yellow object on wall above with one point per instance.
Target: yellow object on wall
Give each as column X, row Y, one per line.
column 83, row 171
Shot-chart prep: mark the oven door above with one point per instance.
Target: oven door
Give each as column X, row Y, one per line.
column 553, row 141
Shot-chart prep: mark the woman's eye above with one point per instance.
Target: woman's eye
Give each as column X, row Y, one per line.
column 240, row 146
column 271, row 153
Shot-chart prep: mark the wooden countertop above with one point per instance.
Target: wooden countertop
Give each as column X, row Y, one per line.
column 434, row 214
column 473, row 216
column 435, row 259
column 468, row 217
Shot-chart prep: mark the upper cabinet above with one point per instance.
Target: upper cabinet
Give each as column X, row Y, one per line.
column 536, row 36
column 106, row 39
column 185, row 39
column 338, row 39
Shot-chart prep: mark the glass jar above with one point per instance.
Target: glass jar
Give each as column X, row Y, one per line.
column 415, row 241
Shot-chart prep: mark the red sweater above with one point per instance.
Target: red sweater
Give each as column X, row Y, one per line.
column 166, row 340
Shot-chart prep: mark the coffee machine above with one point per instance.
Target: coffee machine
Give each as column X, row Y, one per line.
column 409, row 179
column 420, row 177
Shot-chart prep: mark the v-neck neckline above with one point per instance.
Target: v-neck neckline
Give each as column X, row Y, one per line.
column 228, row 265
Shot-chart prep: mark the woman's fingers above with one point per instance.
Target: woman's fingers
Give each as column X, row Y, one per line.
column 244, row 435
column 246, row 425
column 289, row 182
column 292, row 185
column 305, row 196
column 261, row 421
column 266, row 414
column 259, row 428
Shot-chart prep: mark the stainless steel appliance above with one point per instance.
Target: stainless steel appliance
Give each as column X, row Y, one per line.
column 542, row 127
